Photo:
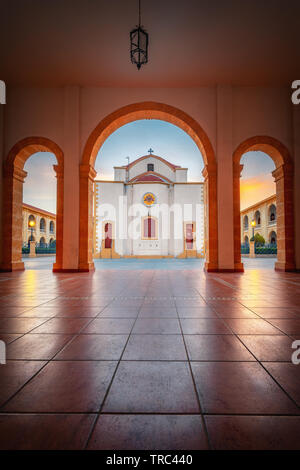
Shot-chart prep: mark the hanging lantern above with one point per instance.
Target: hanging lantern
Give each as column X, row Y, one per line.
column 139, row 44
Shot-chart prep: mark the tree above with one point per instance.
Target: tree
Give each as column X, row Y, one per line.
column 258, row 239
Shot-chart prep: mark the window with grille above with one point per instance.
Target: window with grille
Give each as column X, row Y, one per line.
column 149, row 228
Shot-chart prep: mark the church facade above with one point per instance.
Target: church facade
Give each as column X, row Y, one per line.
column 149, row 210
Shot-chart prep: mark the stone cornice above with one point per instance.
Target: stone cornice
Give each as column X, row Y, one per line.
column 87, row 171
column 237, row 169
column 15, row 172
column 209, row 170
column 283, row 170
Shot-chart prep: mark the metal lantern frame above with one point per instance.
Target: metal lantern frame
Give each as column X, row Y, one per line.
column 139, row 40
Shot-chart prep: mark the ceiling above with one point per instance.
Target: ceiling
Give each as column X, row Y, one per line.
column 192, row 42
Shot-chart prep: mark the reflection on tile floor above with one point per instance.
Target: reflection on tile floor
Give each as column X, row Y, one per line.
column 149, row 355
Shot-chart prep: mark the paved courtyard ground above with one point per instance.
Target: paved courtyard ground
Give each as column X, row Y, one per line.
column 41, row 263
column 150, row 354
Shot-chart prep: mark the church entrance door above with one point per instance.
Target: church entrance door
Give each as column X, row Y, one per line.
column 189, row 238
column 108, row 235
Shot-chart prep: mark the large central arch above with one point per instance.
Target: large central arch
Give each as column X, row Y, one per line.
column 14, row 176
column 120, row 117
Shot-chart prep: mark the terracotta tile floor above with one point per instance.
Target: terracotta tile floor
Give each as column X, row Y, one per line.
column 153, row 357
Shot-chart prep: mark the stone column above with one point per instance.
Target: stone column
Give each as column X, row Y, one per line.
column 252, row 250
column 1, row 177
column 12, row 219
column 238, row 265
column 72, row 157
column 283, row 176
column 130, row 220
column 58, row 265
column 32, row 253
column 87, row 176
column 296, row 144
column 210, row 215
column 225, row 179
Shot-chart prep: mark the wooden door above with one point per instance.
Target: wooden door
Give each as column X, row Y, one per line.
column 189, row 237
column 108, row 235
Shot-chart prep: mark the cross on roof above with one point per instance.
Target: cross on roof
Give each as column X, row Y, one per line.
column 150, row 150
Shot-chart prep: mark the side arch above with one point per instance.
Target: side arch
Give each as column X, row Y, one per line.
column 14, row 176
column 283, row 176
column 125, row 115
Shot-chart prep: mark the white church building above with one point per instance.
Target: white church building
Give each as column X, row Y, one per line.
column 149, row 210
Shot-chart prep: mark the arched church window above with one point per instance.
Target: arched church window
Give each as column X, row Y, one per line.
column 189, row 236
column 42, row 225
column 108, row 235
column 149, row 228
column 272, row 213
column 42, row 242
column 273, row 238
column 257, row 218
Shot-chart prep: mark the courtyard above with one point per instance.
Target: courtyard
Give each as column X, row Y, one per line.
column 46, row 263
column 136, row 138
column 149, row 354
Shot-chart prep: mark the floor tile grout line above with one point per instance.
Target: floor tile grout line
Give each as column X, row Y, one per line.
column 262, row 365
column 260, row 317
column 159, row 334
column 73, row 337
column 98, row 315
column 141, row 413
column 33, row 376
column 27, row 332
column 111, row 382
column 148, row 360
column 270, row 375
column 195, row 387
column 266, row 320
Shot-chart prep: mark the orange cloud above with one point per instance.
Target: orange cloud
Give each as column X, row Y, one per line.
column 105, row 176
column 256, row 189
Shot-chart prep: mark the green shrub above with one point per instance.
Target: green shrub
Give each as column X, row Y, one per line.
column 259, row 240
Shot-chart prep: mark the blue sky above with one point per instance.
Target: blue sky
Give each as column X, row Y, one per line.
column 39, row 188
column 134, row 140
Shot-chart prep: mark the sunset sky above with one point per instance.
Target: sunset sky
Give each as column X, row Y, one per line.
column 256, row 182
column 134, row 140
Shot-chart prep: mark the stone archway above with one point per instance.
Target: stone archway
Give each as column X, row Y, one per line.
column 14, row 176
column 283, row 176
column 120, row 117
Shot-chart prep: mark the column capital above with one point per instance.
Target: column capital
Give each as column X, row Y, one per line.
column 209, row 169
column 59, row 170
column 283, row 170
column 15, row 172
column 237, row 169
column 87, row 171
